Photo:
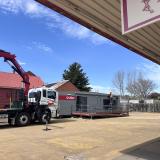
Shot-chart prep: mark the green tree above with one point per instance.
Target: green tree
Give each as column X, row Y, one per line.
column 77, row 76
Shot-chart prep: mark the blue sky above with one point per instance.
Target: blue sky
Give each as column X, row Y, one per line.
column 47, row 43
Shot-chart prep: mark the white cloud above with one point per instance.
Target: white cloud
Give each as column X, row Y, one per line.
column 32, row 8
column 21, row 63
column 17, row 6
column 11, row 5
column 75, row 30
column 150, row 70
column 41, row 46
column 101, row 89
column 51, row 19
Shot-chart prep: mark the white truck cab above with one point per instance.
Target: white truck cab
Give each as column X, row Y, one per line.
column 45, row 97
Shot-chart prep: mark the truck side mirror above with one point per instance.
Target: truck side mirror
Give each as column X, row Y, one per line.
column 54, row 96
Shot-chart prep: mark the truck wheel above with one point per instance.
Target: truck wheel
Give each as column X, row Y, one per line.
column 10, row 121
column 45, row 116
column 23, row 119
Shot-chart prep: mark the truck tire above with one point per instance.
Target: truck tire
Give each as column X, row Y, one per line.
column 22, row 119
column 45, row 116
column 10, row 121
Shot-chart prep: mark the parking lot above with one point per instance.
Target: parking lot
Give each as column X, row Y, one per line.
column 136, row 136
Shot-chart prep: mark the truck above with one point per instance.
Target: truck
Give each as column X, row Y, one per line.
column 37, row 104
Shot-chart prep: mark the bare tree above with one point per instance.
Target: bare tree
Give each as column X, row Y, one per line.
column 118, row 82
column 131, row 83
column 138, row 86
column 144, row 87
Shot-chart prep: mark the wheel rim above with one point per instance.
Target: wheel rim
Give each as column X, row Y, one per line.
column 23, row 119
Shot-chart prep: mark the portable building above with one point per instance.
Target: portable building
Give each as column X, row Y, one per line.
column 90, row 104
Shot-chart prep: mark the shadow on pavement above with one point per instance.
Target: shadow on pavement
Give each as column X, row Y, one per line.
column 149, row 150
column 4, row 125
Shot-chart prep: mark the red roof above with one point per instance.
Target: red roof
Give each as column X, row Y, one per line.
column 13, row 80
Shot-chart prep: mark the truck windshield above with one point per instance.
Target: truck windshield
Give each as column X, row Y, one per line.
column 51, row 94
column 32, row 95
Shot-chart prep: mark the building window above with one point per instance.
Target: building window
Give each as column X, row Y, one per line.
column 106, row 103
column 81, row 104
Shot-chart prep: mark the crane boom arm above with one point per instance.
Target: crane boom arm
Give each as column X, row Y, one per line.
column 8, row 57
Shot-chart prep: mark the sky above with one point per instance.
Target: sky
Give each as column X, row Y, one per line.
column 46, row 43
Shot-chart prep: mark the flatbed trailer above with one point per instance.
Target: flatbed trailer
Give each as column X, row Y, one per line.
column 9, row 114
column 99, row 114
column 25, row 116
column 9, row 110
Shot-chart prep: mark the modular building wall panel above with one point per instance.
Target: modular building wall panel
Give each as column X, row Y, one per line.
column 66, row 105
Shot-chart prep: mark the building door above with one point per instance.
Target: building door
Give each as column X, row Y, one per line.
column 81, row 105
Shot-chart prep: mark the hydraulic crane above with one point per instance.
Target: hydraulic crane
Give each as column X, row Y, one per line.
column 37, row 109
column 11, row 60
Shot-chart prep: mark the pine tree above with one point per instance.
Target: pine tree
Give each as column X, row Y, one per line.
column 77, row 76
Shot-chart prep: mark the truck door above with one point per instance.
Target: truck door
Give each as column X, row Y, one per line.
column 52, row 102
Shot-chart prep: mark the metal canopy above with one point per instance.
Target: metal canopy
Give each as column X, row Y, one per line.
column 104, row 17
